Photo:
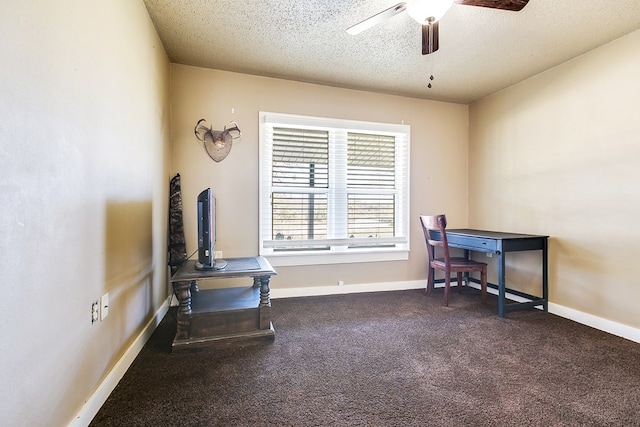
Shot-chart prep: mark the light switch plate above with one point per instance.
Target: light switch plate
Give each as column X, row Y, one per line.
column 104, row 306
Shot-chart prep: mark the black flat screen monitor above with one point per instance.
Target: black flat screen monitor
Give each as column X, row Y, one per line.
column 207, row 232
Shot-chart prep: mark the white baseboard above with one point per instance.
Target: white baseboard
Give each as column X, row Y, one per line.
column 600, row 323
column 595, row 322
column 346, row 289
column 95, row 402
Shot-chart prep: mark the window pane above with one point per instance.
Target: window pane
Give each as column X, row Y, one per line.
column 371, row 165
column 300, row 158
column 299, row 216
column 371, row 215
column 371, row 161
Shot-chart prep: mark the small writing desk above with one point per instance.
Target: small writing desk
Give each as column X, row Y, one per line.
column 500, row 243
column 217, row 317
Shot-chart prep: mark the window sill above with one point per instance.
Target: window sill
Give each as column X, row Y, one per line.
column 311, row 258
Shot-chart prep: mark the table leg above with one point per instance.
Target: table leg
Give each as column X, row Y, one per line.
column 265, row 300
column 265, row 303
column 501, row 284
column 183, row 330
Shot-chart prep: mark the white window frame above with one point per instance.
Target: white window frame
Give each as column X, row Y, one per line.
column 339, row 252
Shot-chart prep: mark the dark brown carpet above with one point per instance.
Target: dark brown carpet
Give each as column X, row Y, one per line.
column 389, row 359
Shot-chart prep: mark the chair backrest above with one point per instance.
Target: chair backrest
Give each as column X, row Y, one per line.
column 431, row 223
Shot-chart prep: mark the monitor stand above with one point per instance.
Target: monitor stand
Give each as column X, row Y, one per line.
column 218, row 264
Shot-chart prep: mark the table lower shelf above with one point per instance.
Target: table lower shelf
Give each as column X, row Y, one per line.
column 224, row 299
column 225, row 317
column 223, row 340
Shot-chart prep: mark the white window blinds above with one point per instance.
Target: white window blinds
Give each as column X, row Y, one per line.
column 371, row 185
column 300, row 179
column 332, row 186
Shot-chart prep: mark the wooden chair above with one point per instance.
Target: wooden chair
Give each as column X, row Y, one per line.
column 448, row 264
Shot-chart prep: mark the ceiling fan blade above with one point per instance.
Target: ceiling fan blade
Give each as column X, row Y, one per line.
column 430, row 41
column 377, row 18
column 514, row 5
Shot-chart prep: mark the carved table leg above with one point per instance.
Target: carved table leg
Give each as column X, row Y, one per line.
column 265, row 303
column 184, row 310
column 264, row 291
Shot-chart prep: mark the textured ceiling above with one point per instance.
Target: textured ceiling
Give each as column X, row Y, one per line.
column 481, row 50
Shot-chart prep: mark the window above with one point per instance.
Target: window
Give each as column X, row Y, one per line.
column 332, row 191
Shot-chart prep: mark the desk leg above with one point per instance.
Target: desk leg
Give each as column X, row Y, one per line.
column 501, row 284
column 467, row 255
column 183, row 330
column 545, row 276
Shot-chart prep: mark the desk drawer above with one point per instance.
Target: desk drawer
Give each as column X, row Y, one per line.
column 472, row 243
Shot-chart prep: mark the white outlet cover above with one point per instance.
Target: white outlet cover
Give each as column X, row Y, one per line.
column 94, row 312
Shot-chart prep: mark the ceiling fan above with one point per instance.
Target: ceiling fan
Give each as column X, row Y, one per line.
column 428, row 12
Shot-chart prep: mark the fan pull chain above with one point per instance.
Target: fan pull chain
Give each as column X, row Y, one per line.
column 430, row 66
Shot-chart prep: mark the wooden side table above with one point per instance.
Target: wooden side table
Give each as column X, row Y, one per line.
column 221, row 317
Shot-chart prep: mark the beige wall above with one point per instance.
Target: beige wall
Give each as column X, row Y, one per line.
column 439, row 133
column 559, row 154
column 84, row 143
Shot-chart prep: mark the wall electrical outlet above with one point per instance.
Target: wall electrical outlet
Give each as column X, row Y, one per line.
column 217, row 254
column 94, row 311
column 104, row 306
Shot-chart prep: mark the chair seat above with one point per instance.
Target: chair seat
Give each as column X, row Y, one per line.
column 458, row 264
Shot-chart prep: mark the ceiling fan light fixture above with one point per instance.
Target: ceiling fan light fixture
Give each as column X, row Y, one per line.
column 428, row 11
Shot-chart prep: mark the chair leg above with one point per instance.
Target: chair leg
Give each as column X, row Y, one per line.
column 459, row 278
column 483, row 285
column 447, row 288
column 430, row 275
